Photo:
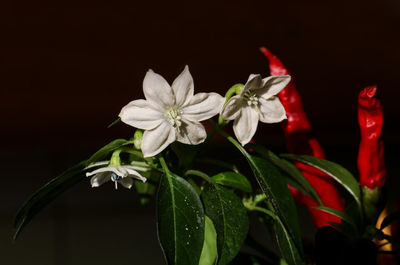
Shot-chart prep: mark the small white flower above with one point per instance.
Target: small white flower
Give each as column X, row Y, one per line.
column 256, row 101
column 170, row 113
column 118, row 174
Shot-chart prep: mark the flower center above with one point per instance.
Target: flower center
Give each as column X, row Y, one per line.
column 174, row 118
column 251, row 98
column 115, row 178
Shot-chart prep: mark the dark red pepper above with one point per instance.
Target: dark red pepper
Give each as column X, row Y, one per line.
column 299, row 140
column 370, row 162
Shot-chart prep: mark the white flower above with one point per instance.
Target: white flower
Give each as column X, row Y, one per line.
column 170, row 113
column 256, row 101
column 118, row 174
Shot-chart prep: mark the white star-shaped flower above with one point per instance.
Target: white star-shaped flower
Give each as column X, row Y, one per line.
column 257, row 101
column 117, row 174
column 170, row 113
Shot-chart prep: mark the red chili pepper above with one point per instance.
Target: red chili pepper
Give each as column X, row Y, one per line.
column 299, row 140
column 371, row 164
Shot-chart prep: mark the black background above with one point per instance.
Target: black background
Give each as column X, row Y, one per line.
column 67, row 68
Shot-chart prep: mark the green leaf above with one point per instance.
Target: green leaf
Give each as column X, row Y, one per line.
column 272, row 183
column 301, row 181
column 209, row 252
column 230, row 219
column 274, row 186
column 180, row 220
column 58, row 185
column 114, row 122
column 287, row 246
column 233, row 180
column 337, row 213
column 337, row 172
column 106, row 150
column 391, row 218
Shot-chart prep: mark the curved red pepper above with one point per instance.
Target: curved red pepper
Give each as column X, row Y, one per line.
column 370, row 161
column 299, row 140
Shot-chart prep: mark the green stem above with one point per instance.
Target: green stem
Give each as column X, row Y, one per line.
column 199, row 174
column 164, row 165
column 262, row 210
column 231, row 139
column 130, row 150
column 259, row 198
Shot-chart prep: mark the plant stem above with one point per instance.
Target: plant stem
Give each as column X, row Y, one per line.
column 164, row 164
column 199, row 174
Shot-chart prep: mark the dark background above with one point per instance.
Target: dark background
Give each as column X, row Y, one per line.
column 67, row 68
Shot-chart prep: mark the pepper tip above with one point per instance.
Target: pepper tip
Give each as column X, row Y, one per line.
column 371, row 91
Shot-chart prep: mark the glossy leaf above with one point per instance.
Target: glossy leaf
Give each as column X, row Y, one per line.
column 287, row 246
column 272, row 183
column 337, row 172
column 209, row 252
column 337, row 213
column 290, row 169
column 58, row 185
column 233, row 180
column 114, row 123
column 180, row 221
column 230, row 219
column 274, row 186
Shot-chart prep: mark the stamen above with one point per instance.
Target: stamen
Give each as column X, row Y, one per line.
column 115, row 178
column 250, row 98
column 174, row 118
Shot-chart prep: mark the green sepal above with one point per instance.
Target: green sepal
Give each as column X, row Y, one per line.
column 371, row 199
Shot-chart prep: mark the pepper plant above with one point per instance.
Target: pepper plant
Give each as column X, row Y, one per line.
column 204, row 199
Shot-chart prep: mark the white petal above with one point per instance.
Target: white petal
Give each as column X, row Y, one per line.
column 157, row 139
column 100, row 179
column 254, row 82
column 183, row 87
column 157, row 91
column 203, row 106
column 100, row 170
column 251, row 76
column 272, row 85
column 232, row 108
column 126, row 182
column 135, row 174
column 271, row 110
column 245, row 125
column 191, row 132
column 140, row 114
